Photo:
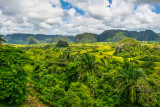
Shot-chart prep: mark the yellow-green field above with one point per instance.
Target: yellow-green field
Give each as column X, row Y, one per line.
column 104, row 49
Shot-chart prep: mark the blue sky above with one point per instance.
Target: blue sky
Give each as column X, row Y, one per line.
column 67, row 5
column 157, row 9
column 71, row 17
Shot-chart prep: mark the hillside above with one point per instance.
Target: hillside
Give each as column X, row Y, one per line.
column 20, row 38
column 117, row 35
column 112, row 36
column 86, row 38
column 55, row 40
column 106, row 36
column 100, row 74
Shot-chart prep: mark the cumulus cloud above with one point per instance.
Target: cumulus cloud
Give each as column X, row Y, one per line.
column 121, row 14
column 147, row 1
column 48, row 16
column 36, row 14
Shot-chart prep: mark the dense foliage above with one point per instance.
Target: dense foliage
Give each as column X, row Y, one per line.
column 13, row 77
column 126, row 44
column 117, row 35
column 85, row 38
column 132, row 48
column 91, row 75
column 32, row 40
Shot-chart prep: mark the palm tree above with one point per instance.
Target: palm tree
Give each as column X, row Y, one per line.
column 106, row 64
column 1, row 40
column 89, row 66
column 126, row 82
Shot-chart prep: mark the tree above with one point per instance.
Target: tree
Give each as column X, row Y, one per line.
column 31, row 40
column 89, row 66
column 13, row 77
column 127, row 79
column 1, row 40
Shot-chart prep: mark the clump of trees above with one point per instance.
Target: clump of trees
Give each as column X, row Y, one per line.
column 31, row 40
column 62, row 44
column 13, row 77
column 1, row 39
column 131, row 48
column 72, row 77
column 126, row 44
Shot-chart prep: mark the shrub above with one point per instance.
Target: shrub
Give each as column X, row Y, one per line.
column 100, row 53
column 13, row 78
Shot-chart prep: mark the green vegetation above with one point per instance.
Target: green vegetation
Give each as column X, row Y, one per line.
column 55, row 40
column 13, row 78
column 31, row 40
column 127, row 44
column 106, row 36
column 105, row 74
column 20, row 38
column 1, row 39
column 132, row 48
column 85, row 38
column 62, row 44
column 117, row 35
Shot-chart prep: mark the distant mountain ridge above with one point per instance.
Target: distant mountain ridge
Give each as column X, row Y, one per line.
column 20, row 38
column 117, row 35
column 106, row 36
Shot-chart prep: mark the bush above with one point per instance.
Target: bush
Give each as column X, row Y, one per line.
column 13, row 78
column 82, row 96
column 53, row 96
column 150, row 58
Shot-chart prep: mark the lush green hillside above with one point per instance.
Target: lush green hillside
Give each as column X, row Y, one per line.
column 55, row 40
column 112, row 36
column 81, row 75
column 117, row 35
column 85, row 38
column 106, row 36
column 20, row 38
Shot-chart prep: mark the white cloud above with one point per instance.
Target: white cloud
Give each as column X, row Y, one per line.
column 147, row 1
column 71, row 12
column 47, row 16
column 35, row 14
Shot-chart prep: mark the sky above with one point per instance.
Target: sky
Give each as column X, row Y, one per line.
column 71, row 17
